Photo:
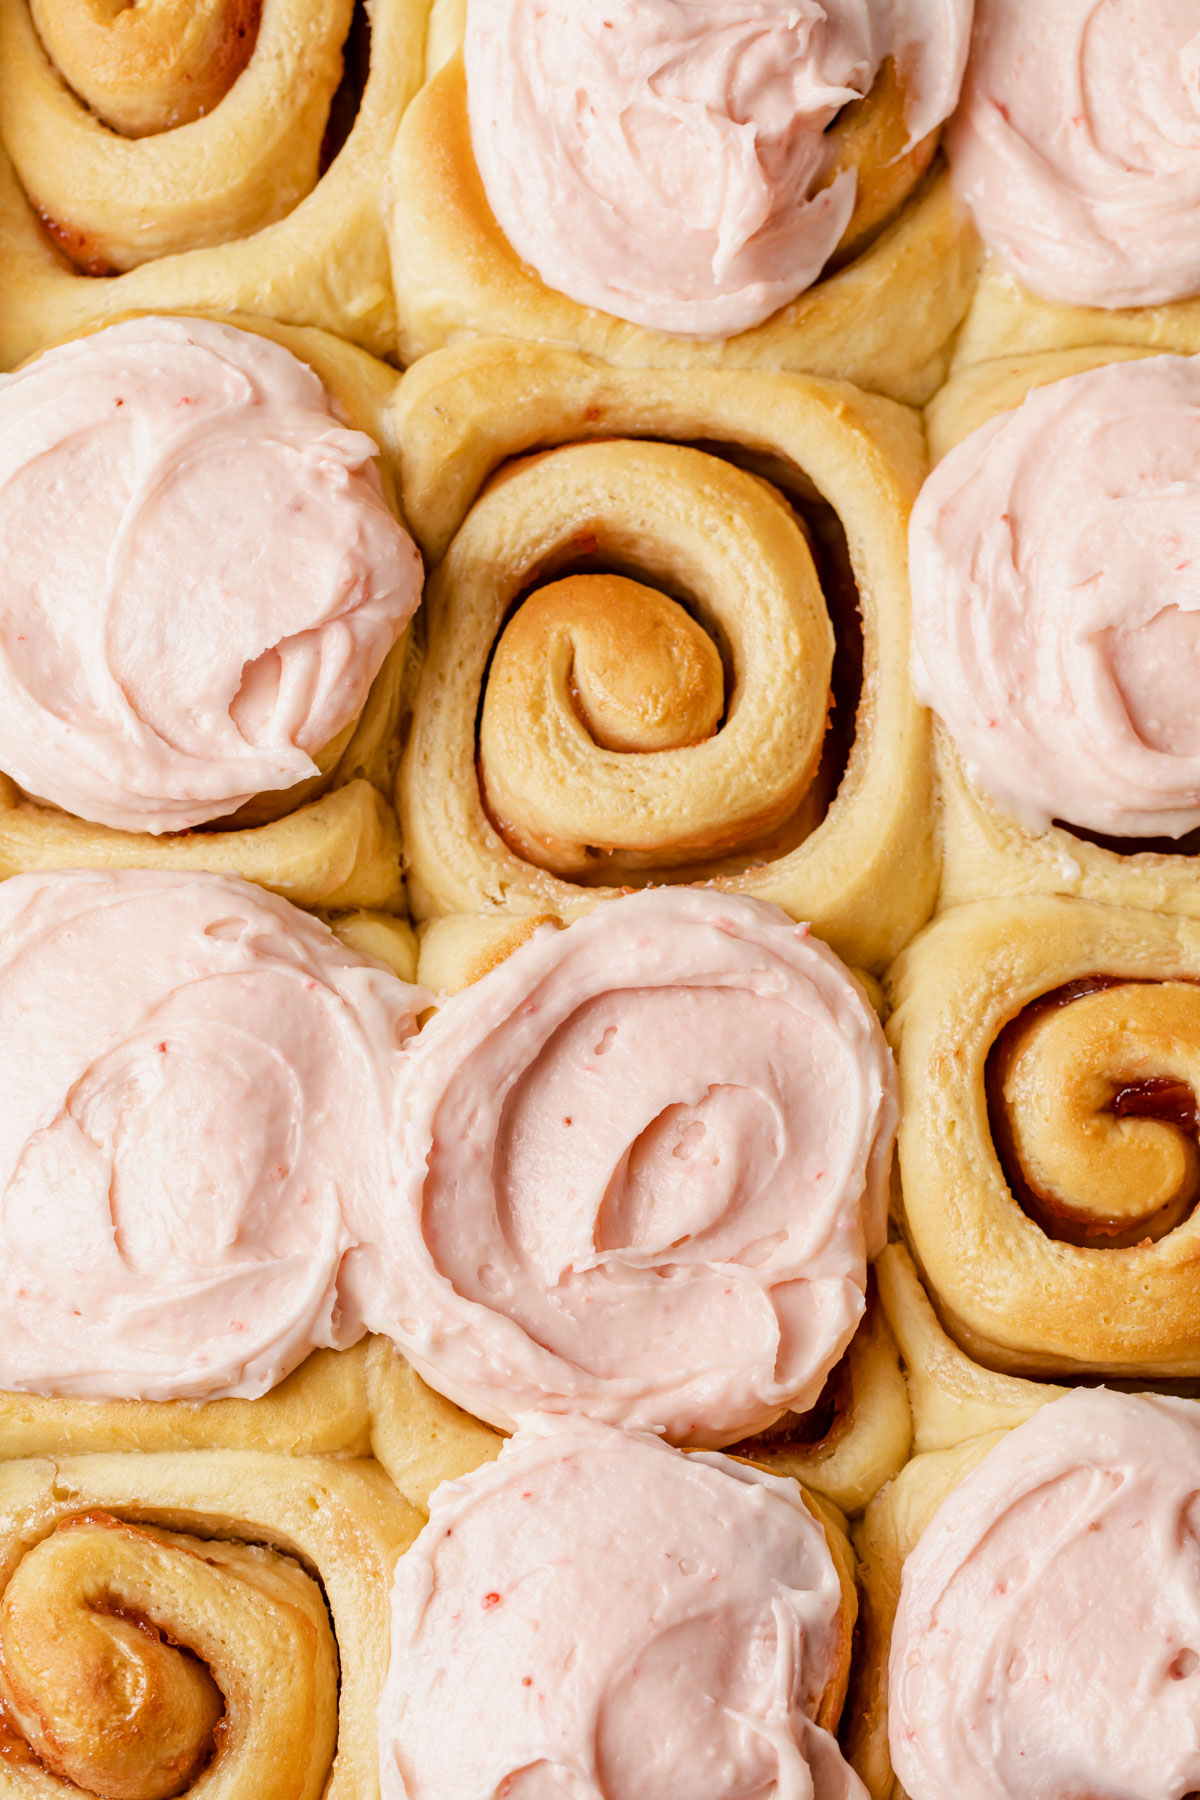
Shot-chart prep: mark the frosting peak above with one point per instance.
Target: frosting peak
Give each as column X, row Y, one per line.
column 665, row 160
column 1077, row 146
column 598, row 1617
column 1055, row 561
column 198, row 1080
column 647, row 1163
column 1047, row 1639
column 201, row 574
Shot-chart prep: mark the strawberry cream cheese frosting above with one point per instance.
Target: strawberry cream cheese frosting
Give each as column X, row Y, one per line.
column 665, row 160
column 195, row 1112
column 1055, row 559
column 1077, row 146
column 1047, row 1640
column 201, row 574
column 599, row 1617
column 645, row 1163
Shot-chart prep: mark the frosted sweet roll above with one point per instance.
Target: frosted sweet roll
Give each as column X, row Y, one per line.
column 599, row 1616
column 692, row 168
column 1077, row 147
column 682, row 182
column 203, row 576
column 1007, row 1679
column 645, row 1163
column 196, row 1122
column 1056, row 630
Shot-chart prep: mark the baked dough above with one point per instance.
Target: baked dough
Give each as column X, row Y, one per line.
column 859, row 1433
column 883, row 320
column 860, row 869
column 1048, row 1181
column 985, row 849
column 109, row 1561
column 336, row 845
column 232, row 206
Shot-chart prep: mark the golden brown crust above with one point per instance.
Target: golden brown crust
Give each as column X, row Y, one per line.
column 859, row 869
column 885, row 320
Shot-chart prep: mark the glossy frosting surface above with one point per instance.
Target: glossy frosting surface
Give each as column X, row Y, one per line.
column 201, row 574
column 665, row 160
column 195, row 1110
column 1077, row 146
column 647, row 1159
column 598, row 1617
column 1048, row 1635
column 1055, row 560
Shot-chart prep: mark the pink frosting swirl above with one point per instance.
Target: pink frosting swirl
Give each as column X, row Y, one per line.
column 598, row 1617
column 1077, row 146
column 647, row 1162
column 1055, row 559
column 196, row 1109
column 201, row 574
column 663, row 160
column 1048, row 1636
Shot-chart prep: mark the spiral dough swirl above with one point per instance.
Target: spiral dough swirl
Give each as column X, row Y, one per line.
column 1007, row 1679
column 1077, row 146
column 196, row 1107
column 1055, row 559
column 597, row 1617
column 647, row 1162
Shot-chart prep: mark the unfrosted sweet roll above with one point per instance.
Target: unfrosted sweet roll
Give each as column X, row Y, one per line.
column 206, row 1622
column 671, row 184
column 222, row 155
column 1007, row 1680
column 203, row 576
column 1050, row 1072
column 597, row 1616
column 1056, row 625
column 645, row 1163
column 200, row 1082
column 648, row 664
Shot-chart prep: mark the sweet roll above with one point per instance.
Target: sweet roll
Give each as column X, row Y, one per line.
column 598, row 1615
column 177, row 653
column 226, row 157
column 197, row 1122
column 1048, row 1051
column 675, row 185
column 1055, row 626
column 1076, row 147
column 645, row 663
column 201, row 1622
column 643, row 1164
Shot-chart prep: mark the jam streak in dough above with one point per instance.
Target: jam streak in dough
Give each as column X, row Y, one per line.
column 598, row 1617
column 664, row 160
column 1048, row 1635
column 1055, row 557
column 646, row 1163
column 1077, row 146
column 201, row 574
column 195, row 1108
